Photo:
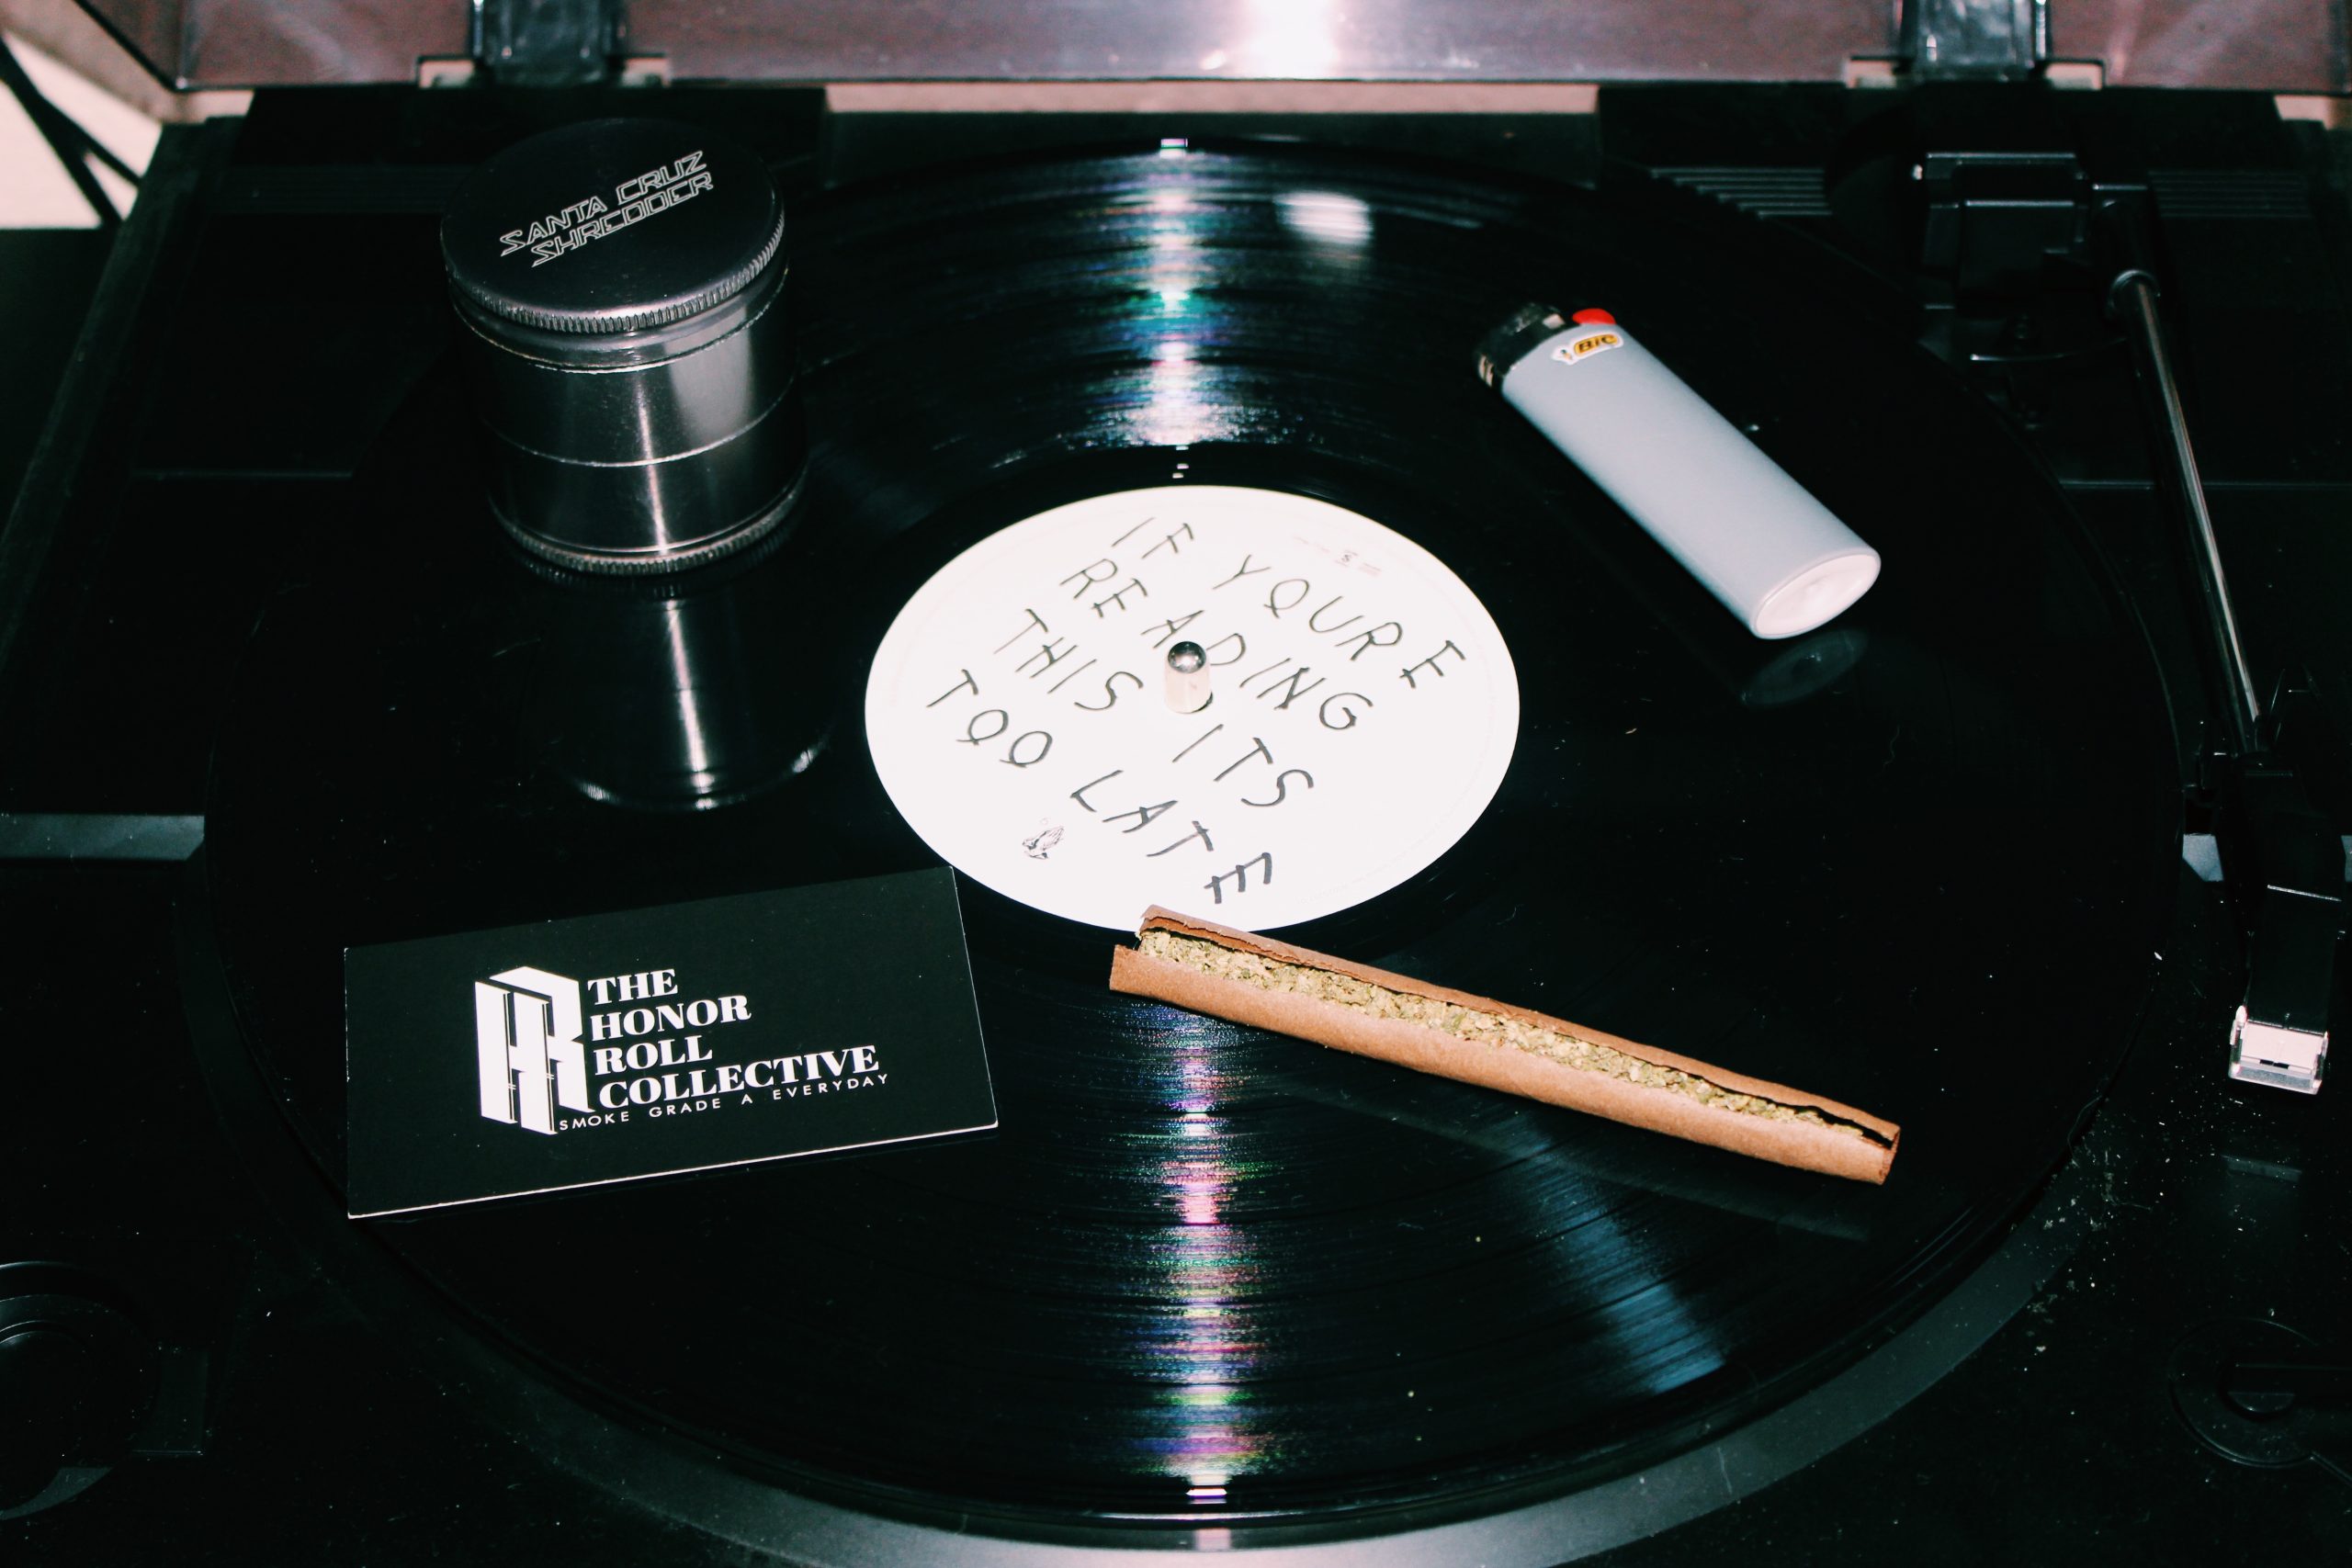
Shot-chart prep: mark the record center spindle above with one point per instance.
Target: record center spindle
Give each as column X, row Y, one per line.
column 1187, row 680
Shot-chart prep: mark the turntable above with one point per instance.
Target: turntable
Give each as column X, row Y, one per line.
column 364, row 595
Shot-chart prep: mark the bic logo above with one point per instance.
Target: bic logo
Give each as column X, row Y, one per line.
column 526, row 1028
column 1584, row 347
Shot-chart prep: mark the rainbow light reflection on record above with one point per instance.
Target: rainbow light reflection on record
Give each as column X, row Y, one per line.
column 1201, row 1350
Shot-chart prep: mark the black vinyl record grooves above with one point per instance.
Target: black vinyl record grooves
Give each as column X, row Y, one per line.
column 1206, row 1276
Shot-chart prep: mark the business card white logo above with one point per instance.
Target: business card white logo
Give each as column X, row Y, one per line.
column 643, row 1044
column 553, row 1055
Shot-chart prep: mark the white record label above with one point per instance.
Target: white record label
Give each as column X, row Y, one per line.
column 1362, row 708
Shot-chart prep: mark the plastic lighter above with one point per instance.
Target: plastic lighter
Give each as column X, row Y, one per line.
column 1751, row 535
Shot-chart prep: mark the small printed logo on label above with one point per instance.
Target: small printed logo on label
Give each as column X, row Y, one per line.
column 1587, row 347
column 591, row 217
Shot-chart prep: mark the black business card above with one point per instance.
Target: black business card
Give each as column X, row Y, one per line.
column 577, row 1052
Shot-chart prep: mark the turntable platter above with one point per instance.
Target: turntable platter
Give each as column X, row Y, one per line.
column 1205, row 1275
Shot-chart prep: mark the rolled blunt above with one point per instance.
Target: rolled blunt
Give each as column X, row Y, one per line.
column 1637, row 1084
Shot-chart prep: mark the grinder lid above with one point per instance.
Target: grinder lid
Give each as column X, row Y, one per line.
column 611, row 226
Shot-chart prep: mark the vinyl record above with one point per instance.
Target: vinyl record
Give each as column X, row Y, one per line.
column 1206, row 1276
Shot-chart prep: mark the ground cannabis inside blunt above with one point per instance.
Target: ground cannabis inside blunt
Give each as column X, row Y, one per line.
column 1470, row 1024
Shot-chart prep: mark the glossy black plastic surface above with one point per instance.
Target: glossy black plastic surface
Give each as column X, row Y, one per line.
column 1205, row 1275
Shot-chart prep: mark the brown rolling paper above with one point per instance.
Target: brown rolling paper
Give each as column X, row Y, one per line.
column 1350, row 1006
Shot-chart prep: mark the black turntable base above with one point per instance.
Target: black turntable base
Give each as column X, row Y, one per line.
column 1206, row 1288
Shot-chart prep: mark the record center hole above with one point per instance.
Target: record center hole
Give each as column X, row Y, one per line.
column 1480, row 1028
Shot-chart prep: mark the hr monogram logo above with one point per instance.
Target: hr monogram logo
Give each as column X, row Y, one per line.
column 527, row 1034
